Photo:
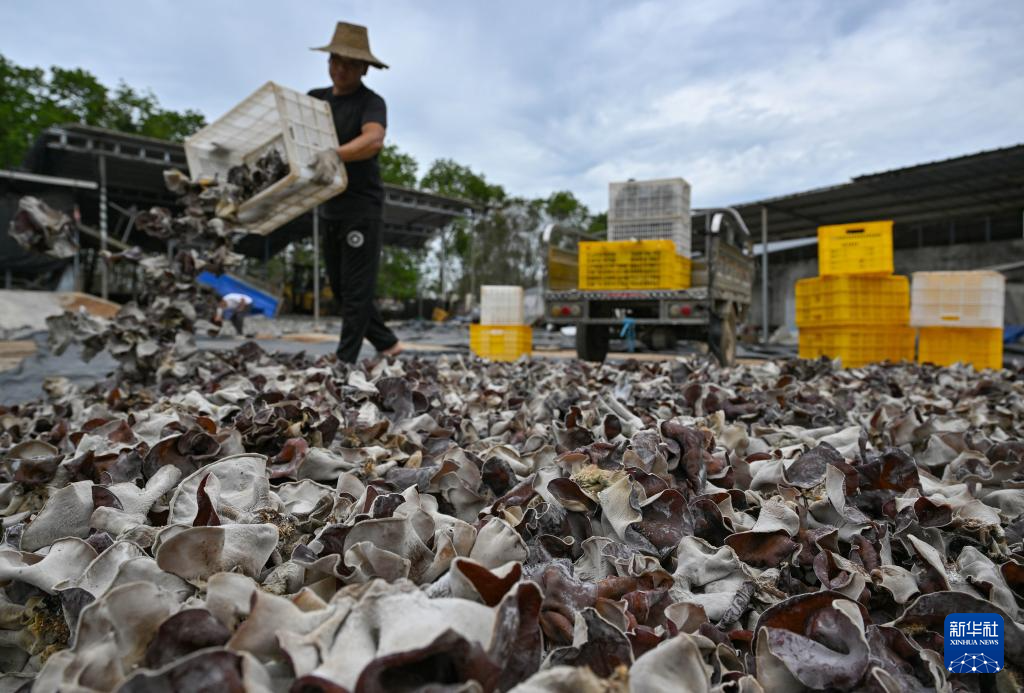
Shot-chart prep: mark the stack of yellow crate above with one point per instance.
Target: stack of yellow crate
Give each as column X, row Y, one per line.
column 501, row 334
column 636, row 265
column 856, row 310
column 961, row 317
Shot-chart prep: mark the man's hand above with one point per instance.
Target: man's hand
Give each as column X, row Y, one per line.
column 326, row 166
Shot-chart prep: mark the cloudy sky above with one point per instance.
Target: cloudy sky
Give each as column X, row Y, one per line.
column 743, row 99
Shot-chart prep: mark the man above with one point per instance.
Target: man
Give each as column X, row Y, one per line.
column 234, row 307
column 353, row 220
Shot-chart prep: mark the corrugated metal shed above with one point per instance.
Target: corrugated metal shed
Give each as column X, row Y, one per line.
column 986, row 184
column 134, row 171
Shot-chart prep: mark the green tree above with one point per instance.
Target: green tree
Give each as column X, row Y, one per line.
column 446, row 177
column 457, row 244
column 565, row 209
column 502, row 243
column 172, row 125
column 140, row 113
column 508, row 240
column 399, row 273
column 76, row 95
column 22, row 109
column 562, row 206
column 397, row 167
column 30, row 102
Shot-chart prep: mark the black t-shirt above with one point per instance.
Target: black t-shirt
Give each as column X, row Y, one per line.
column 365, row 192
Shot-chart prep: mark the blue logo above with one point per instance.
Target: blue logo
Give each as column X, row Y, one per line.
column 973, row 643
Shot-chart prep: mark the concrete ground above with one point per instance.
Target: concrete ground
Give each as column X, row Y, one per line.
column 25, row 312
column 25, row 359
column 25, row 362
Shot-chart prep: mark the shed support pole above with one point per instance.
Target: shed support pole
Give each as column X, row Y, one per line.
column 444, row 261
column 104, row 288
column 473, row 290
column 764, row 275
column 266, row 258
column 76, row 263
column 316, row 268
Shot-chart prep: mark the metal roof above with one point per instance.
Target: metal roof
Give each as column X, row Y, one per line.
column 977, row 185
column 22, row 177
column 135, row 166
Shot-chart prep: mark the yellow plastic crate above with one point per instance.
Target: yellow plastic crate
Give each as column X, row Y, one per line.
column 852, row 300
column 500, row 342
column 982, row 347
column 861, row 248
column 611, row 265
column 858, row 346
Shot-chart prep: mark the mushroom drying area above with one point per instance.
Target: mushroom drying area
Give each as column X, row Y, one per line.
column 274, row 522
column 241, row 519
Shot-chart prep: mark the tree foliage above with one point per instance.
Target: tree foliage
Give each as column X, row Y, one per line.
column 399, row 273
column 563, row 207
column 502, row 243
column 598, row 224
column 397, row 167
column 446, row 177
column 31, row 101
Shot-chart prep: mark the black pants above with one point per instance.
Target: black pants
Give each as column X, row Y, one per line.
column 238, row 320
column 352, row 251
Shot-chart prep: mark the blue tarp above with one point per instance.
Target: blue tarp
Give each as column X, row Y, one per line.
column 1012, row 333
column 262, row 302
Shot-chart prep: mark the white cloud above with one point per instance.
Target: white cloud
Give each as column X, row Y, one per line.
column 744, row 99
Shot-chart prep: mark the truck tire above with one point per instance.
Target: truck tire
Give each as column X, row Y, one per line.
column 660, row 338
column 591, row 342
column 722, row 336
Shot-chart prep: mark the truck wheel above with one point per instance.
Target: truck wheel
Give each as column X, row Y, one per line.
column 661, row 338
column 722, row 337
column 591, row 342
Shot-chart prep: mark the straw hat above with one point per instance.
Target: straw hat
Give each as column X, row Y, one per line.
column 351, row 41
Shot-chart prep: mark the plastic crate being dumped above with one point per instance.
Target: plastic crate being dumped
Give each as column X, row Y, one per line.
column 852, row 300
column 863, row 248
column 616, row 265
column 651, row 210
column 958, row 299
column 858, row 346
column 982, row 347
column 273, row 117
column 501, row 342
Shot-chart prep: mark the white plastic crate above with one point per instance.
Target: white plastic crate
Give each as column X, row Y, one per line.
column 651, row 210
column 501, row 305
column 297, row 125
column 957, row 299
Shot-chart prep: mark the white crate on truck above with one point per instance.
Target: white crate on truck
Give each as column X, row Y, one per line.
column 650, row 210
column 272, row 117
column 957, row 299
column 501, row 305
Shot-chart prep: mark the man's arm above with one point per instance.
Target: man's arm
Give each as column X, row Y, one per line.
column 365, row 146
